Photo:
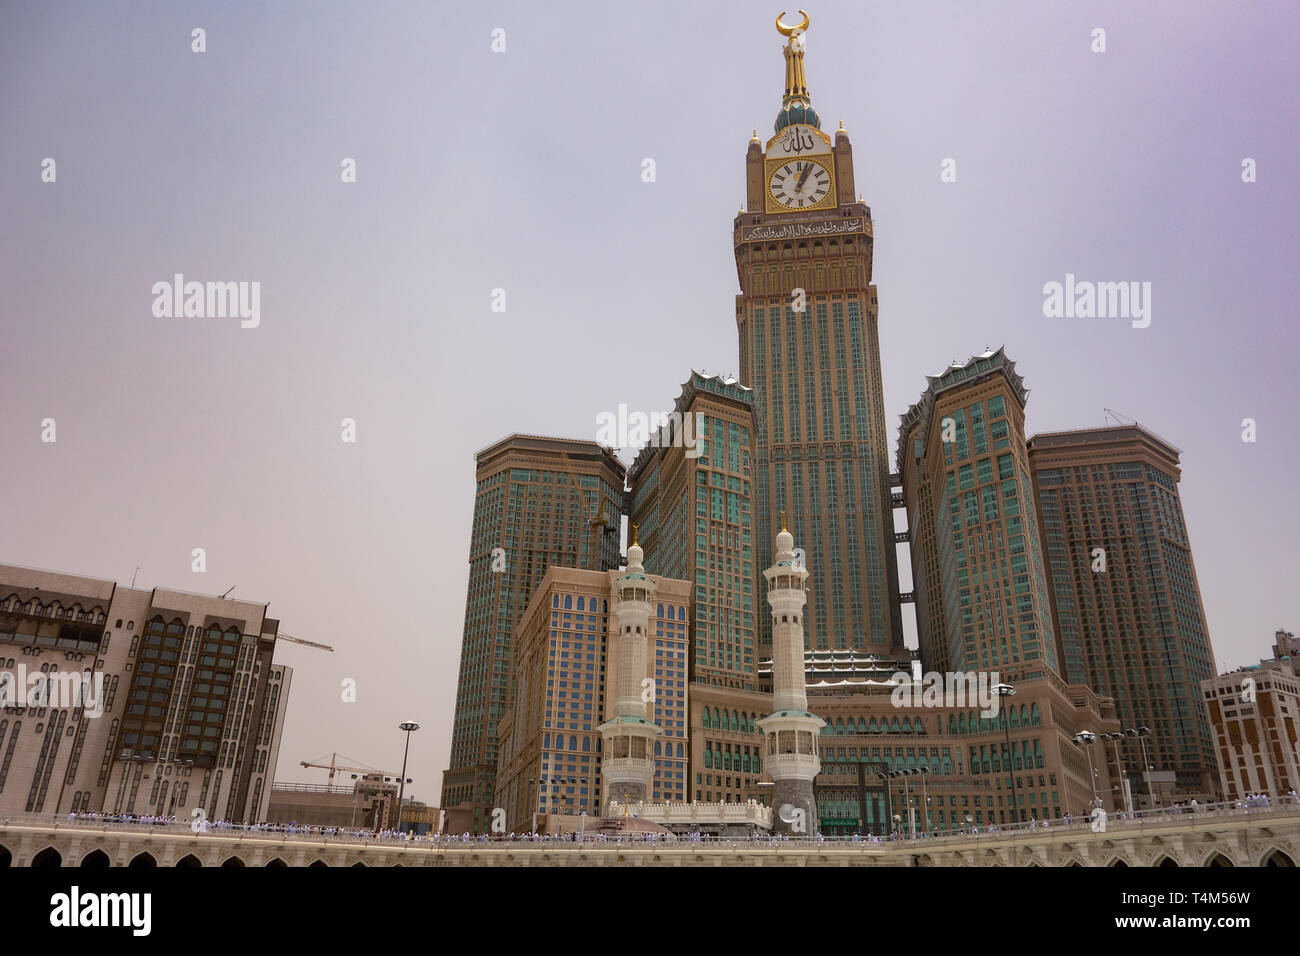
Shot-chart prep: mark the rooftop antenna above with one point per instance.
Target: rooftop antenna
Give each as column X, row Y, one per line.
column 133, row 577
column 228, row 590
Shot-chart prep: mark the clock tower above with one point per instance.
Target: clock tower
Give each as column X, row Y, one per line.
column 807, row 321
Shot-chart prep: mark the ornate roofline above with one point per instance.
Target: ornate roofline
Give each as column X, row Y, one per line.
column 972, row 370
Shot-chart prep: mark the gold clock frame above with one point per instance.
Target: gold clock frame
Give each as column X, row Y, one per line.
column 824, row 160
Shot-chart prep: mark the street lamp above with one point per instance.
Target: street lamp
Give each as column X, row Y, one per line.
column 1085, row 739
column 408, row 726
column 925, row 799
column 1142, row 733
column 1115, row 738
column 906, row 790
column 1004, row 691
column 889, row 798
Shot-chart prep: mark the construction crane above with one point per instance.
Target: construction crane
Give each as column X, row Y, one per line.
column 333, row 767
column 299, row 640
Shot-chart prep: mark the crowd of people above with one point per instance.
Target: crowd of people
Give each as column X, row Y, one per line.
column 1251, row 801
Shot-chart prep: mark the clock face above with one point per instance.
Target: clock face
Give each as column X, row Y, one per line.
column 800, row 184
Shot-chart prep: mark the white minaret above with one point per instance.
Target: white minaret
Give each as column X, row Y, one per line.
column 627, row 760
column 791, row 731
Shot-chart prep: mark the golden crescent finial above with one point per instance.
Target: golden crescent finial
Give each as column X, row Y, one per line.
column 783, row 521
column 786, row 31
column 634, row 527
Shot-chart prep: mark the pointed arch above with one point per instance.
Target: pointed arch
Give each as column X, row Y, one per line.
column 95, row 859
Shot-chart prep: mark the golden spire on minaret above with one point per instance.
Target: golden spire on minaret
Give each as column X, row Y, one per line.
column 796, row 86
column 634, row 527
column 783, row 528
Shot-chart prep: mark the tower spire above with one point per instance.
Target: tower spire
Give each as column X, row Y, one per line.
column 796, row 105
column 796, row 85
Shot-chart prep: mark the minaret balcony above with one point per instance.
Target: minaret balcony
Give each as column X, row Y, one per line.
column 628, row 769
column 797, row 766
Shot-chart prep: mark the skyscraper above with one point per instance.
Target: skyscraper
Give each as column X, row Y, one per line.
column 693, row 509
column 538, row 502
column 567, row 653
column 693, row 505
column 807, row 319
column 982, row 594
column 1127, row 603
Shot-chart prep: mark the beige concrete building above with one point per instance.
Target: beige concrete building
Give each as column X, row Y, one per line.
column 1255, row 719
column 184, row 711
column 950, row 761
column 551, row 740
column 370, row 803
column 538, row 502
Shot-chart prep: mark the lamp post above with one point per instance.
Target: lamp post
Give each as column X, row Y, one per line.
column 355, row 792
column 537, row 799
column 925, row 799
column 1004, row 691
column 906, row 790
column 1115, row 738
column 1085, row 738
column 889, row 799
column 1142, row 733
column 408, row 726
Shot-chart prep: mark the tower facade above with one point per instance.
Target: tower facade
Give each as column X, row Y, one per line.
column 790, row 731
column 1127, row 603
column 693, row 502
column 807, row 322
column 982, row 595
column 567, row 656
column 538, row 502
column 693, row 505
column 627, row 755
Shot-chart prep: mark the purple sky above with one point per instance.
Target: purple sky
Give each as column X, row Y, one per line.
column 522, row 170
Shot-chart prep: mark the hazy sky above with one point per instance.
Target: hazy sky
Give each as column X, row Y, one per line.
column 521, row 170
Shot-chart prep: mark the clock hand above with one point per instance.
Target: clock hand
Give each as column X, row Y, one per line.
column 803, row 178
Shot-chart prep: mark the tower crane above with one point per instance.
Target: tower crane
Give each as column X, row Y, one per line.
column 333, row 766
column 298, row 640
